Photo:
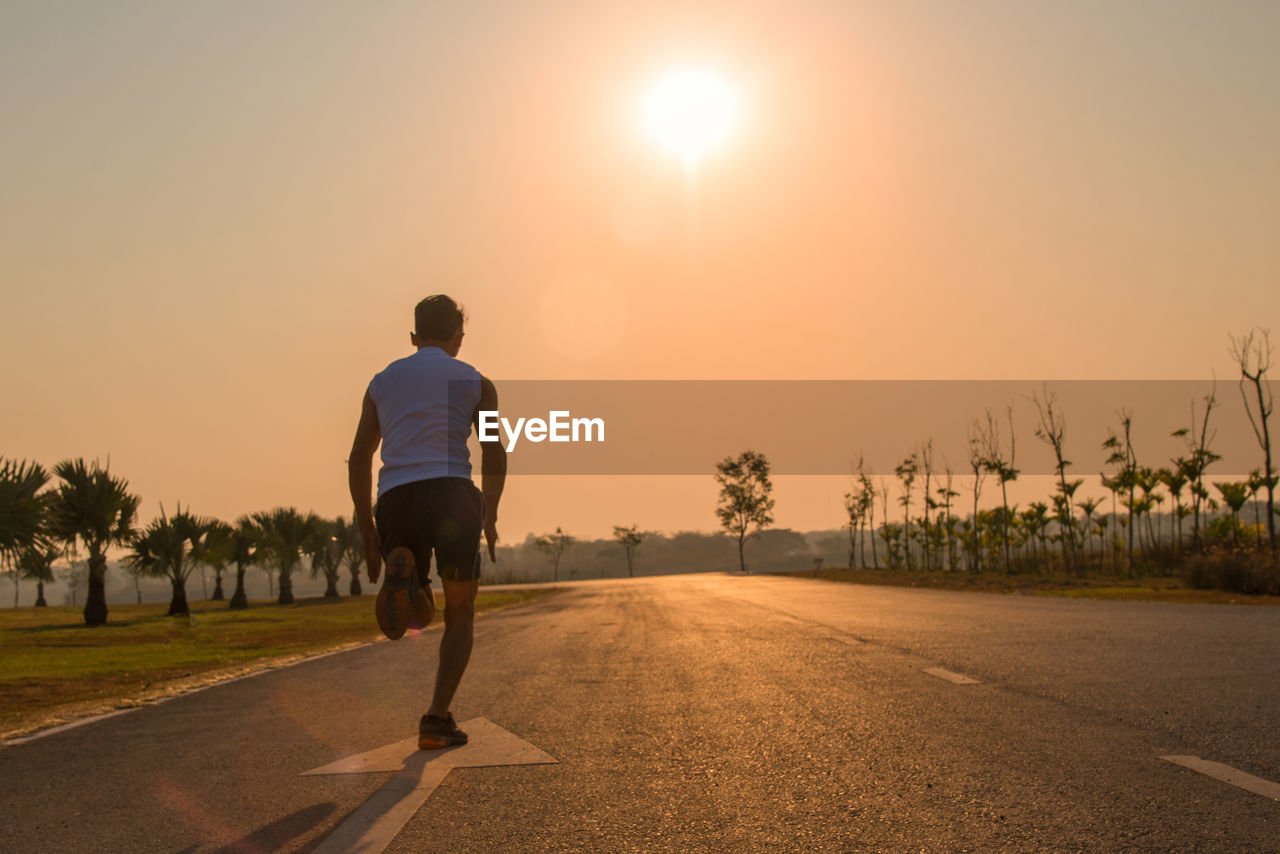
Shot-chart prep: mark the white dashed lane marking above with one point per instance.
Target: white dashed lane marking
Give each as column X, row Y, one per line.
column 1227, row 774
column 956, row 678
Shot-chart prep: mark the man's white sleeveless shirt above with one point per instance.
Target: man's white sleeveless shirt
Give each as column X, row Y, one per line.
column 425, row 404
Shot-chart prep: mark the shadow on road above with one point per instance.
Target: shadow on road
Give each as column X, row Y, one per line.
column 276, row 835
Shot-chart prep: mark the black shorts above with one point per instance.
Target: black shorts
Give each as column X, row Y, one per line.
column 445, row 515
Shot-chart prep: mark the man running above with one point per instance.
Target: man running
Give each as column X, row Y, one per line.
column 421, row 408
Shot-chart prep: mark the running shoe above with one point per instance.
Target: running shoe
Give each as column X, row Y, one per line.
column 399, row 589
column 435, row 733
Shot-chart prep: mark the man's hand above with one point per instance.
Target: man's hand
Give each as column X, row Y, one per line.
column 491, row 537
column 372, row 553
column 493, row 469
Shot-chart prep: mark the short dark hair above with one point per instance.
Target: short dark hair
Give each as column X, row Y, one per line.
column 437, row 317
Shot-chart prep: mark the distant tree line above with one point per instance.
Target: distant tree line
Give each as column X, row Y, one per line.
column 91, row 510
column 82, row 507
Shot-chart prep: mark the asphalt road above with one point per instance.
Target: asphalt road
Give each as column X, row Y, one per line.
column 721, row 714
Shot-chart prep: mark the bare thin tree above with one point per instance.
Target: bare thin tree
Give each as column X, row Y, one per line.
column 946, row 493
column 853, row 520
column 1052, row 430
column 906, row 471
column 1126, row 478
column 979, row 474
column 869, row 500
column 1253, row 353
column 926, row 466
column 884, row 507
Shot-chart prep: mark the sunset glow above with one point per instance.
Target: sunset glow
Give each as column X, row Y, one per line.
column 225, row 219
column 690, row 112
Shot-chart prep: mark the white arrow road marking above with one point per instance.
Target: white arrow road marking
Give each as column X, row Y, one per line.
column 371, row 828
column 943, row 673
column 1227, row 774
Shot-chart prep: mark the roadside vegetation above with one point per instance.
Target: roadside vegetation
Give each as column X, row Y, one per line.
column 82, row 509
column 1164, row 588
column 55, row 666
column 1206, row 538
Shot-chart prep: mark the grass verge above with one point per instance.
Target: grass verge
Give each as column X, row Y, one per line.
column 54, row 668
column 1151, row 589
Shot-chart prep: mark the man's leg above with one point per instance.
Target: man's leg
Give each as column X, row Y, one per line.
column 455, row 646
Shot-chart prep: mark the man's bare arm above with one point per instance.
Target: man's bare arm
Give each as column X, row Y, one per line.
column 493, row 469
column 360, row 481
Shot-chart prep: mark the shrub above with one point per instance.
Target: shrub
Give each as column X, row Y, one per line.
column 1252, row 573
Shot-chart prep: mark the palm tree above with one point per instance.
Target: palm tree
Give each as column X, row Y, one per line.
column 22, row 515
column 1103, row 522
column 1175, row 479
column 1122, row 454
column 244, row 540
column 92, row 507
column 1200, row 458
column 352, row 547
column 946, row 493
column 1067, row 522
column 1089, row 506
column 171, row 548
column 325, row 551
column 1020, row 535
column 993, row 462
column 285, row 532
column 1036, row 520
column 1235, row 494
column 218, row 551
column 1256, row 482
column 1148, row 480
column 37, row 566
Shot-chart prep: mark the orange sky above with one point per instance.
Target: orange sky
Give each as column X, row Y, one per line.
column 216, row 218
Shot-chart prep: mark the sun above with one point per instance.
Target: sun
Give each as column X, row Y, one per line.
column 689, row 112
